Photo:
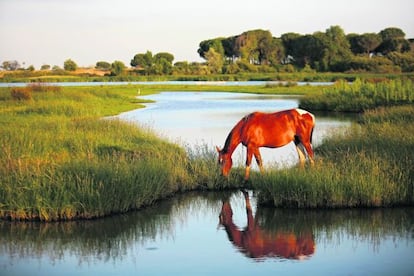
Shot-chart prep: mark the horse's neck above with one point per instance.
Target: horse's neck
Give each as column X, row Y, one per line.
column 233, row 139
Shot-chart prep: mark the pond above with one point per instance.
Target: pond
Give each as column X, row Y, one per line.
column 195, row 234
column 199, row 119
column 216, row 233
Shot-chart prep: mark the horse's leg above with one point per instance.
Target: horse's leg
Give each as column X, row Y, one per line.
column 301, row 154
column 309, row 150
column 248, row 162
column 258, row 158
column 300, row 150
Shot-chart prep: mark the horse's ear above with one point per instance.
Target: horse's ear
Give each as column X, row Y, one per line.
column 218, row 149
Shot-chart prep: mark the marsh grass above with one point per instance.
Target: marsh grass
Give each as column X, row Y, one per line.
column 370, row 165
column 361, row 95
column 62, row 160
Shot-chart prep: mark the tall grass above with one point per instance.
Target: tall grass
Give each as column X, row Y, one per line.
column 61, row 160
column 361, row 95
column 371, row 165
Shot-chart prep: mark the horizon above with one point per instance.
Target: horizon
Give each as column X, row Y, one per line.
column 38, row 32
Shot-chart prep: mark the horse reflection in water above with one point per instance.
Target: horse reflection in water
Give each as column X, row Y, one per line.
column 257, row 243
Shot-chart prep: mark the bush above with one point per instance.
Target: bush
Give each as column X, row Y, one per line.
column 21, row 93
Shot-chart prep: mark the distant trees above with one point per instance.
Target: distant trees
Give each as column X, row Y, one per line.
column 10, row 65
column 258, row 51
column 331, row 50
column 117, row 68
column 214, row 61
column 158, row 64
column 103, row 65
column 45, row 67
column 70, row 65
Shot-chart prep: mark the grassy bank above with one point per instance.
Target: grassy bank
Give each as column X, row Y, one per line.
column 371, row 165
column 64, row 76
column 360, row 95
column 60, row 160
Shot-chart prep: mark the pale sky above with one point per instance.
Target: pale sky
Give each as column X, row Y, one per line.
column 36, row 32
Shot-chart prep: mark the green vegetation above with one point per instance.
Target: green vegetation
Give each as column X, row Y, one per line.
column 361, row 95
column 254, row 52
column 61, row 160
column 370, row 165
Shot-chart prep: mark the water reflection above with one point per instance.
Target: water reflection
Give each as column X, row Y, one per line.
column 182, row 234
column 257, row 242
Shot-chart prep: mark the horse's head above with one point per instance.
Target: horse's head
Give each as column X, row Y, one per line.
column 225, row 161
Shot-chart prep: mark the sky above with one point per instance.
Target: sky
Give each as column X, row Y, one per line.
column 37, row 32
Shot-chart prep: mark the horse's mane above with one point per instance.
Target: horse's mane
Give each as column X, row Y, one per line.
column 233, row 131
column 228, row 140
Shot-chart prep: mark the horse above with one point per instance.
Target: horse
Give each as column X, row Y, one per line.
column 258, row 243
column 270, row 130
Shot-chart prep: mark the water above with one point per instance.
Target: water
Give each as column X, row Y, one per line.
column 205, row 118
column 194, row 234
column 183, row 236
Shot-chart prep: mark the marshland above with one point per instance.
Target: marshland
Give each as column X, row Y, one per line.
column 66, row 155
column 61, row 160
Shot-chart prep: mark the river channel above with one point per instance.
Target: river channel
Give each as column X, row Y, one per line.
column 212, row 233
column 204, row 119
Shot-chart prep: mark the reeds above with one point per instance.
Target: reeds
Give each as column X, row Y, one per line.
column 360, row 95
column 61, row 161
column 369, row 166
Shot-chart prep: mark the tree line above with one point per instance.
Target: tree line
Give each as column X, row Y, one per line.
column 258, row 51
column 332, row 50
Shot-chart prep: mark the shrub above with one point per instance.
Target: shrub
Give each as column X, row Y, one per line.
column 21, row 93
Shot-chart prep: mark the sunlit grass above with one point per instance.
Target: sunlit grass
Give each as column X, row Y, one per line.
column 63, row 159
column 361, row 95
column 370, row 165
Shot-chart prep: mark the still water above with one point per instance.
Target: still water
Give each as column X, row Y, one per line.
column 196, row 119
column 216, row 233
column 195, row 234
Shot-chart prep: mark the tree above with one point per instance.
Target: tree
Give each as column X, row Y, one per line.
column 144, row 61
column 117, row 68
column 336, row 48
column 45, row 67
column 163, row 63
column 393, row 40
column 181, row 67
column 365, row 43
column 11, row 65
column 206, row 45
column 103, row 65
column 70, row 65
column 214, row 61
column 230, row 51
column 164, row 55
column 391, row 33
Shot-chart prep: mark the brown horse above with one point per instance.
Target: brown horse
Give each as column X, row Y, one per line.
column 270, row 130
column 257, row 243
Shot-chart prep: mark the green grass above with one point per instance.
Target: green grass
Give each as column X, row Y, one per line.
column 65, row 76
column 361, row 95
column 369, row 166
column 62, row 160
